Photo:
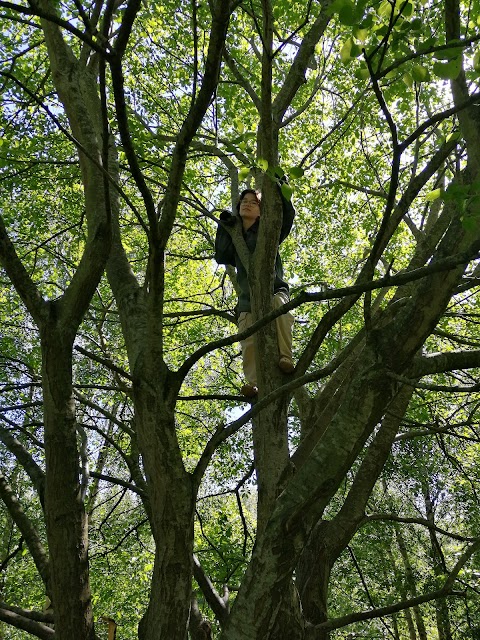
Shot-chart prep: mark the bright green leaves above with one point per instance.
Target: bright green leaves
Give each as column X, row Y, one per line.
column 448, row 70
column 394, row 35
column 287, row 190
column 347, row 14
column 433, row 195
column 360, row 34
column 295, row 172
column 351, row 14
column 362, row 72
column 263, row 164
column 349, row 51
column 467, row 199
column 476, row 61
column 241, row 141
column 416, row 74
column 386, row 8
column 243, row 173
column 420, row 73
column 275, row 173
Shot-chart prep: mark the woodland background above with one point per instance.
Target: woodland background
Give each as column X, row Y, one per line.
column 136, row 483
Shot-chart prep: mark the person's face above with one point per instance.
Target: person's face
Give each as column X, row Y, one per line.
column 249, row 206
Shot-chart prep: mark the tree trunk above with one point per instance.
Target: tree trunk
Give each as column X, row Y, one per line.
column 198, row 627
column 172, row 500
column 441, row 606
column 410, row 582
column 313, row 579
column 412, row 634
column 64, row 509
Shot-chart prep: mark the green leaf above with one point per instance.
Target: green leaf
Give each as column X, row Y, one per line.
column 346, row 15
column 287, row 191
column 385, row 9
column 337, row 6
column 382, row 30
column 448, row 70
column 262, row 163
column 367, row 23
column 345, row 51
column 457, row 192
column 433, row 195
column 360, row 34
column 243, row 173
column 476, row 61
column 448, row 54
column 419, row 73
column 404, row 27
column 469, row 223
column 355, row 51
column 456, row 135
column 296, row 172
column 362, row 73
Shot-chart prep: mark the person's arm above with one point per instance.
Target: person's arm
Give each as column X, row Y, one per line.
column 288, row 214
column 224, row 249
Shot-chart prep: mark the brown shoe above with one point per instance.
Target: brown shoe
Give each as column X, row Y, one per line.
column 286, row 365
column 249, row 390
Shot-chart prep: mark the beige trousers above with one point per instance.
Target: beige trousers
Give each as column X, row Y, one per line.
column 284, row 334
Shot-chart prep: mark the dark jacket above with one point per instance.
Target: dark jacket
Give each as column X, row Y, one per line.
column 225, row 254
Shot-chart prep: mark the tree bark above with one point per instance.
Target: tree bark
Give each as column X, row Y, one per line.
column 67, row 531
column 172, row 497
column 441, row 605
column 410, row 582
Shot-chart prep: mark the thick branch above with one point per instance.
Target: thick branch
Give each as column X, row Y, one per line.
column 443, row 362
column 22, row 282
column 26, row 624
column 26, row 528
column 215, row 601
column 392, row 517
column 27, row 461
column 119, row 482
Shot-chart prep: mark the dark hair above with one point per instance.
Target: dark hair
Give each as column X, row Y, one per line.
column 257, row 194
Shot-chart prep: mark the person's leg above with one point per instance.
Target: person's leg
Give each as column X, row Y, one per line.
column 284, row 325
column 248, row 349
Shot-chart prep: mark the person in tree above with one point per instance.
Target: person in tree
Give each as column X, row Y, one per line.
column 249, row 215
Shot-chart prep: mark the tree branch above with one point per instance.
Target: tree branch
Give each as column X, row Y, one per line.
column 28, row 624
column 392, row 517
column 215, row 601
column 444, row 264
column 51, row 17
column 444, row 362
column 337, row 623
column 34, row 471
column 20, row 278
column 26, row 528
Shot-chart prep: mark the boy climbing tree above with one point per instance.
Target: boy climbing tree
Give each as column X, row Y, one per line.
column 248, row 215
